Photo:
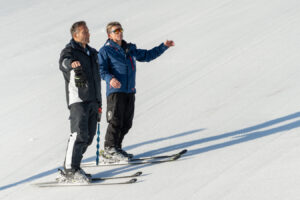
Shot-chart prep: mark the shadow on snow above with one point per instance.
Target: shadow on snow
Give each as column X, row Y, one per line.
column 234, row 138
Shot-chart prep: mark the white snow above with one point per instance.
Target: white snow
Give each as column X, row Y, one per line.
column 228, row 92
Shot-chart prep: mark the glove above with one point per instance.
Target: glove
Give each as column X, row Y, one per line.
column 80, row 78
column 99, row 114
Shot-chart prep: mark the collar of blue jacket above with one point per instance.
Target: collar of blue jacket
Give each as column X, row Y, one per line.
column 124, row 48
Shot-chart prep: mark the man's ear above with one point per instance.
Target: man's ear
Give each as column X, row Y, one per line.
column 74, row 35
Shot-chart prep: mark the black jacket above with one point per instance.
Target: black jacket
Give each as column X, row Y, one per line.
column 89, row 61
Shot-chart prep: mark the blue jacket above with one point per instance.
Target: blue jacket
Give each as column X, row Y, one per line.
column 120, row 63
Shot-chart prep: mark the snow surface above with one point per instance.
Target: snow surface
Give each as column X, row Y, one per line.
column 228, row 92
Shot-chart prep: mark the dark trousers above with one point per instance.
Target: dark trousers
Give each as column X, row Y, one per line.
column 83, row 118
column 120, row 112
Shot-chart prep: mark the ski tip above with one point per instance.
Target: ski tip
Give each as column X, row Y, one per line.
column 132, row 180
column 138, row 173
column 183, row 151
column 42, row 185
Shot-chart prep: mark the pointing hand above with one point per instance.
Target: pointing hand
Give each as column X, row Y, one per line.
column 169, row 43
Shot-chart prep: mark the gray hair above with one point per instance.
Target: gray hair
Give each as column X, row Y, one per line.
column 75, row 27
column 110, row 25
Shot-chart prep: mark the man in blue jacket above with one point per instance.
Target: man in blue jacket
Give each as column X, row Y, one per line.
column 117, row 60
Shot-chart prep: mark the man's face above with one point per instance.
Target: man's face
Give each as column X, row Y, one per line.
column 116, row 33
column 82, row 35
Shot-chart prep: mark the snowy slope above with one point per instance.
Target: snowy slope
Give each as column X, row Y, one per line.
column 228, row 91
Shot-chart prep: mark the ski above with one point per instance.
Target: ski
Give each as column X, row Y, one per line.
column 93, row 183
column 139, row 161
column 117, row 177
column 160, row 157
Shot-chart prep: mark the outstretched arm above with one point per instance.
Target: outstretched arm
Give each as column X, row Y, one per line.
column 148, row 55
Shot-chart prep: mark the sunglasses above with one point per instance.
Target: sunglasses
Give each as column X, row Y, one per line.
column 117, row 31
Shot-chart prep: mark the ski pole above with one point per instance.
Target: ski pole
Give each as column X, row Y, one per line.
column 98, row 135
column 98, row 144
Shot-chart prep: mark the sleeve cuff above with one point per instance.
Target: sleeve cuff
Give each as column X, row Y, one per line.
column 163, row 46
column 66, row 63
column 108, row 77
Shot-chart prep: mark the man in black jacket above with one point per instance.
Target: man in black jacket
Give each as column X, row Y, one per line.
column 79, row 64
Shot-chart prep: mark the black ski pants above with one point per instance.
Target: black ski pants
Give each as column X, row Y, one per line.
column 83, row 118
column 120, row 112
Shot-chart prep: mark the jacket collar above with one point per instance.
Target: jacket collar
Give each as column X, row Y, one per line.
column 114, row 45
column 111, row 43
column 76, row 45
